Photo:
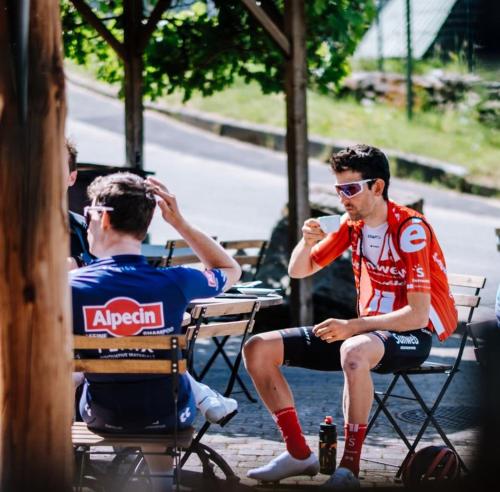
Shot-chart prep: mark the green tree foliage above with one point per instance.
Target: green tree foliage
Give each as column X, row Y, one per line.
column 203, row 46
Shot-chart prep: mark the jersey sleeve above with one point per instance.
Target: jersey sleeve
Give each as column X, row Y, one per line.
column 415, row 245
column 332, row 246
column 199, row 284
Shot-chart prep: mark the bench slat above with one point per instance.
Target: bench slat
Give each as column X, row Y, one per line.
column 214, row 309
column 81, row 434
column 460, row 280
column 466, row 300
column 244, row 244
column 220, row 329
column 176, row 243
column 246, row 259
column 160, row 342
column 127, row 366
column 184, row 260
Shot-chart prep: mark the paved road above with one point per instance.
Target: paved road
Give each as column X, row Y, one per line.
column 232, row 189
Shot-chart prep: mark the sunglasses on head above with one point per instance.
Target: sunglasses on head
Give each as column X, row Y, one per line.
column 94, row 208
column 350, row 190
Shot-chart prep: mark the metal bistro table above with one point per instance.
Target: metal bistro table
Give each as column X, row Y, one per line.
column 221, row 317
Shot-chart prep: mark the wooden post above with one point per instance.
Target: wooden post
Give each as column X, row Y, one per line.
column 380, row 38
column 134, row 121
column 409, row 62
column 297, row 150
column 36, row 394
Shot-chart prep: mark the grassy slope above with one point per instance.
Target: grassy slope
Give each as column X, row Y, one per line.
column 449, row 136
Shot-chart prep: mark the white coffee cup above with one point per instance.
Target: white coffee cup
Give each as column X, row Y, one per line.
column 329, row 223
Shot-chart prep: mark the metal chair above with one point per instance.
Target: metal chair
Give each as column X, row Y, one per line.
column 249, row 254
column 218, row 322
column 179, row 253
column 224, row 326
column 469, row 302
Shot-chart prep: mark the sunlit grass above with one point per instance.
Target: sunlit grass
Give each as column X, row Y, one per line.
column 452, row 136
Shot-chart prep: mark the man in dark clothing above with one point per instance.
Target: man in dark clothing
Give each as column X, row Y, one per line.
column 79, row 246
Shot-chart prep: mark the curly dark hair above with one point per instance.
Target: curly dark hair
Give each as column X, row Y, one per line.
column 130, row 196
column 72, row 154
column 371, row 162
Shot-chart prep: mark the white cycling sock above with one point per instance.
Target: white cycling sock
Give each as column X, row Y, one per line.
column 200, row 390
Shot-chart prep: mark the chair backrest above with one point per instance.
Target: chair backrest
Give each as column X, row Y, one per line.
column 171, row 364
column 208, row 319
column 185, row 258
column 467, row 301
column 248, row 253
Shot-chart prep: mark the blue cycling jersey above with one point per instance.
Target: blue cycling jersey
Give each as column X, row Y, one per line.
column 124, row 296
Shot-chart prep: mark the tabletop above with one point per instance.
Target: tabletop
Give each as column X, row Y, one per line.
column 265, row 301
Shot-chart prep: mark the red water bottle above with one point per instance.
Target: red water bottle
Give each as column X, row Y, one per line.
column 327, row 446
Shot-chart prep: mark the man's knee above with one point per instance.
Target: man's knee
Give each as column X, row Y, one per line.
column 353, row 356
column 261, row 351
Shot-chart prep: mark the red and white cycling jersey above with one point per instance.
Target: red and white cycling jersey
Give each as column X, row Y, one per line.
column 411, row 260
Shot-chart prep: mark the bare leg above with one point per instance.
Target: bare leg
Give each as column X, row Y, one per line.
column 263, row 356
column 160, row 465
column 359, row 354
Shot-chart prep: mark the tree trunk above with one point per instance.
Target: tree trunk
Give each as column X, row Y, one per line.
column 134, row 121
column 35, row 337
column 297, row 151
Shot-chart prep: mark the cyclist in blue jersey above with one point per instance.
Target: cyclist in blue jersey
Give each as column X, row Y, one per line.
column 120, row 294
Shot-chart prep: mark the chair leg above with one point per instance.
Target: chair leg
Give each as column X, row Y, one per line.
column 194, row 442
column 219, row 349
column 234, row 373
column 394, row 423
column 381, row 403
column 382, row 407
column 233, row 367
column 80, row 453
column 429, row 419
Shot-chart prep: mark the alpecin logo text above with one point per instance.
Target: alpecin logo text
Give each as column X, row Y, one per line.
column 123, row 316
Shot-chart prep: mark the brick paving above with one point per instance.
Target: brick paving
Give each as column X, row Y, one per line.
column 251, row 438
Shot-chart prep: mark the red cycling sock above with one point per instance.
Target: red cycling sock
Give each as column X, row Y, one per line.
column 289, row 425
column 354, row 437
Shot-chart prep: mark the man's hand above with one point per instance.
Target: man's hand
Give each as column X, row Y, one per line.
column 333, row 330
column 312, row 232
column 167, row 203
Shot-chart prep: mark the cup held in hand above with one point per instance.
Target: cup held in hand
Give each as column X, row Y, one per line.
column 329, row 223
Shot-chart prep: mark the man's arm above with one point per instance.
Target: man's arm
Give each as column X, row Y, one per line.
column 301, row 265
column 210, row 253
column 411, row 317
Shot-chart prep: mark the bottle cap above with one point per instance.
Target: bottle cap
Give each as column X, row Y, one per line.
column 328, row 419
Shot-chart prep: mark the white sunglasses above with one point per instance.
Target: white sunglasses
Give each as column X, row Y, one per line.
column 94, row 208
column 350, row 190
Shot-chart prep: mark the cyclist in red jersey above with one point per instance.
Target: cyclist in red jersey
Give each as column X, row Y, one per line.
column 403, row 297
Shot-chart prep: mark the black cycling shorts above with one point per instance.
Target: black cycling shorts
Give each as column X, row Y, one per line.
column 403, row 350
